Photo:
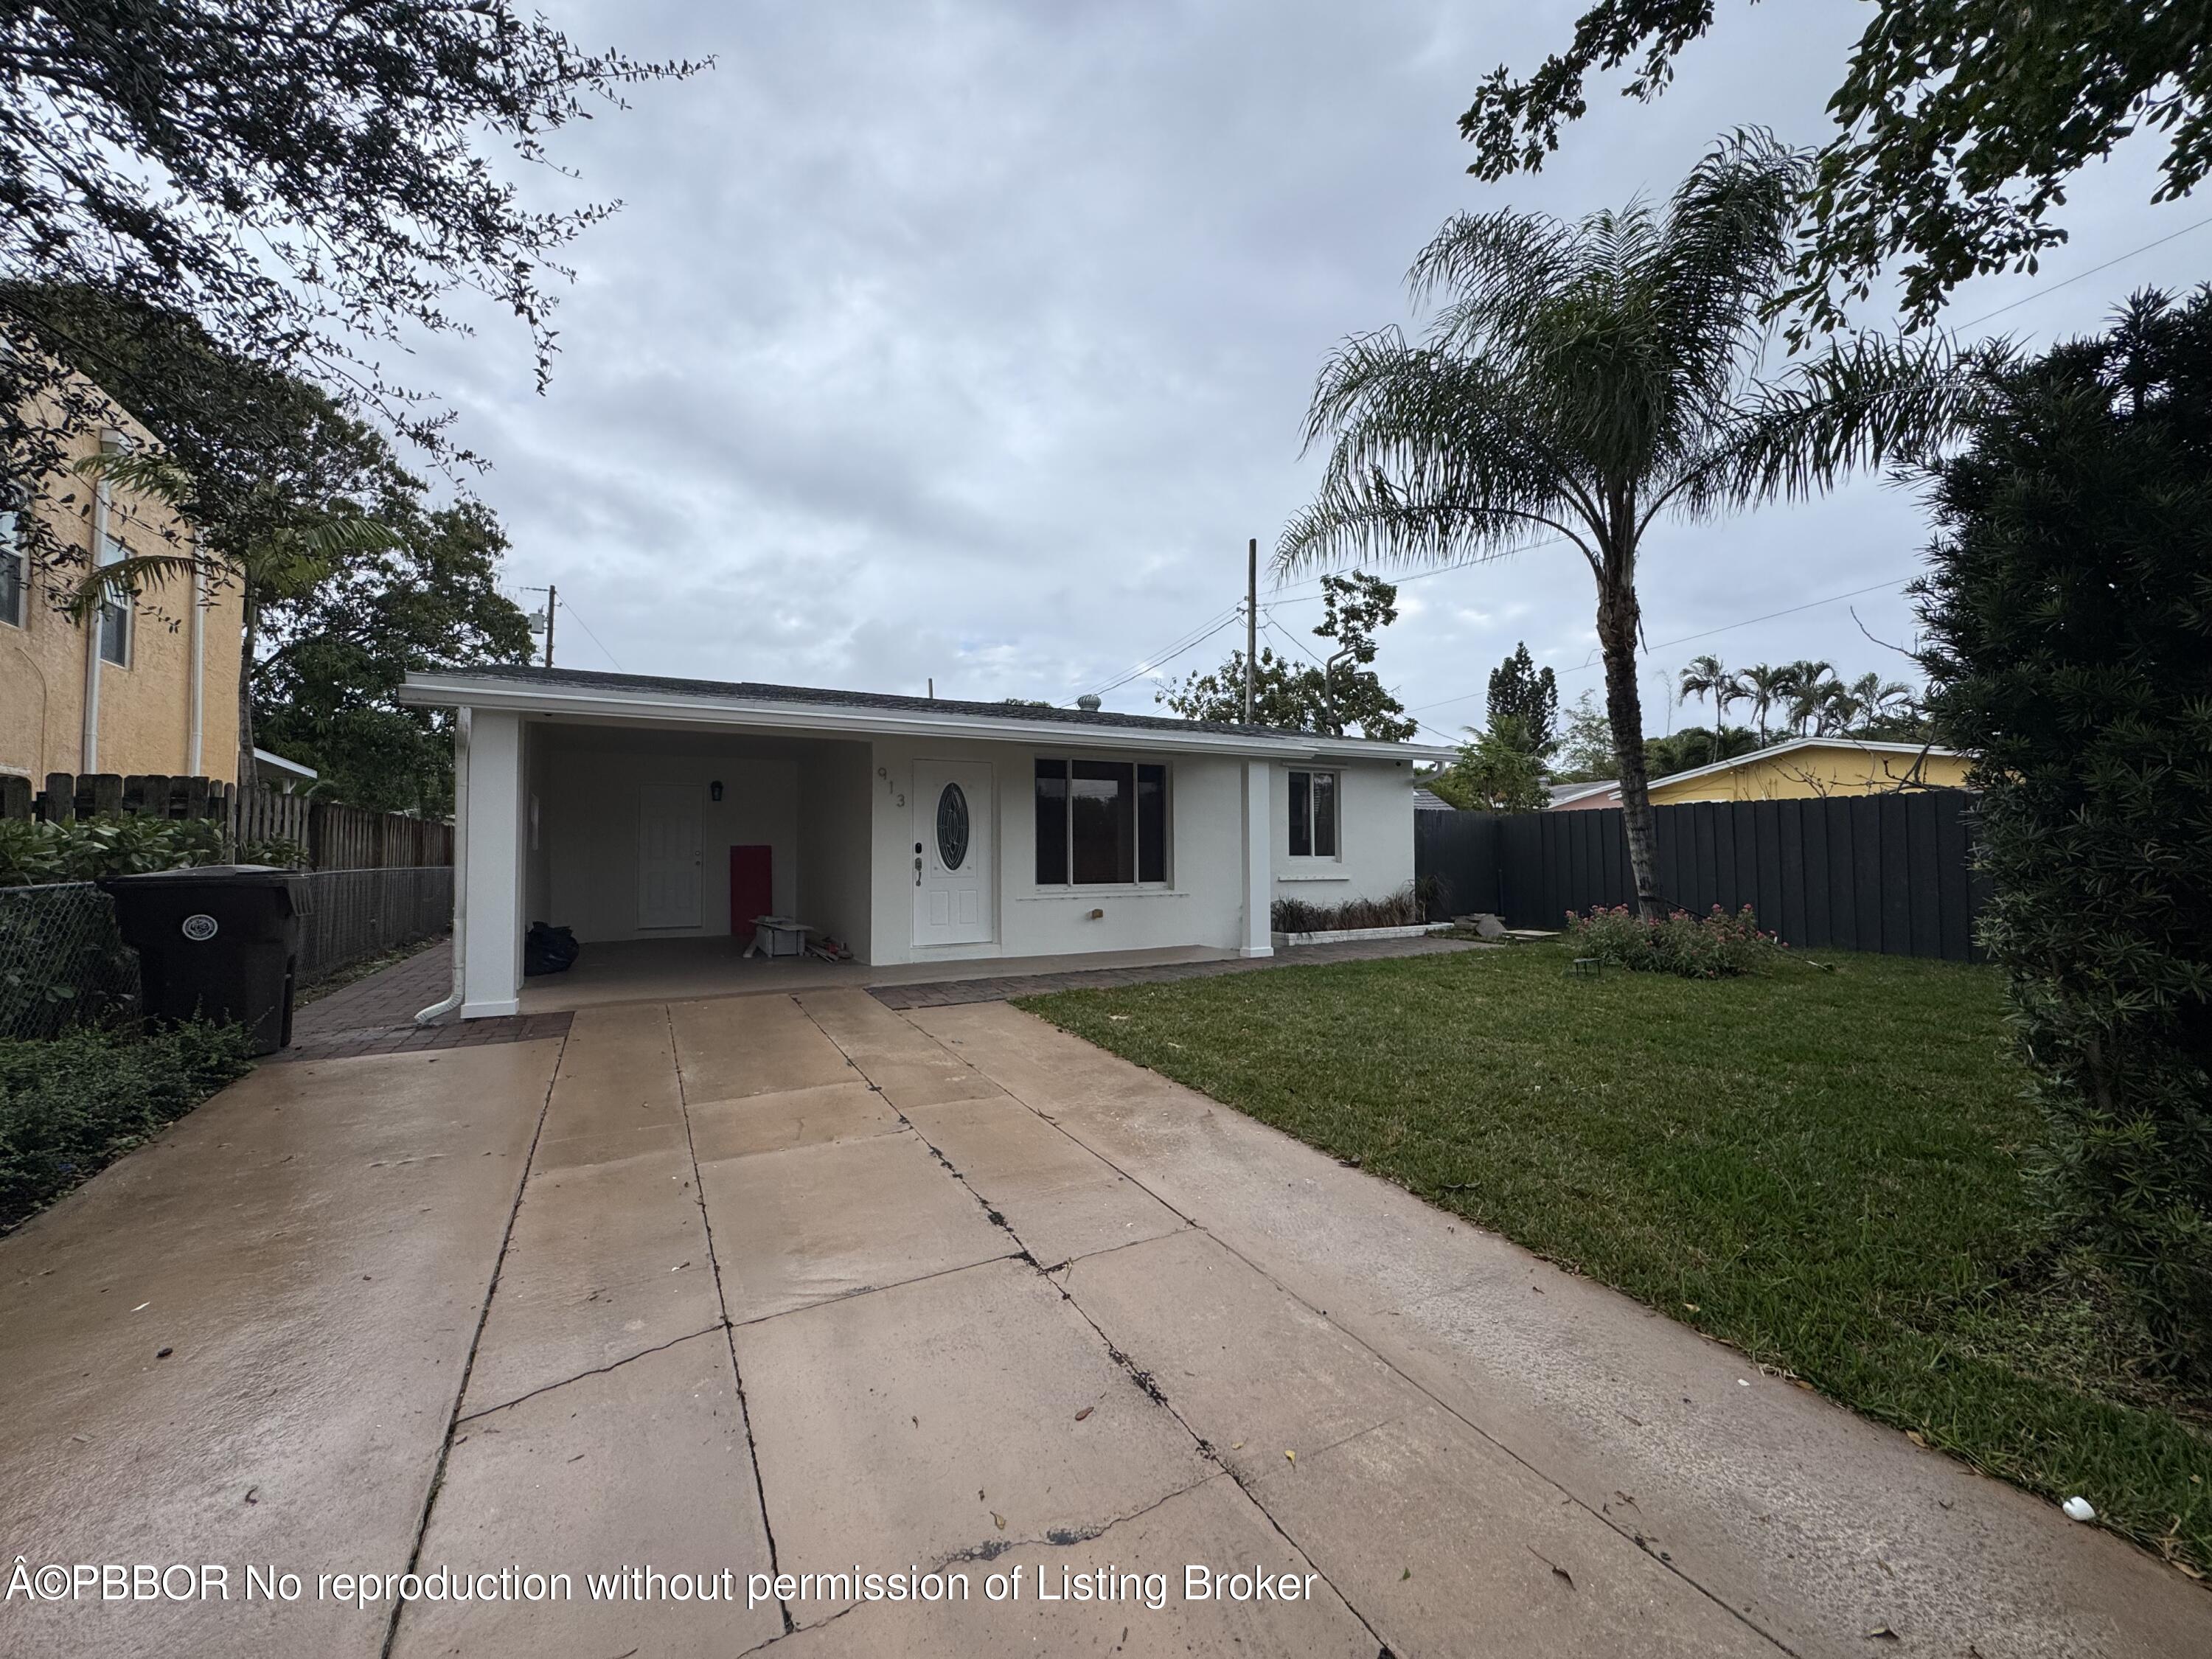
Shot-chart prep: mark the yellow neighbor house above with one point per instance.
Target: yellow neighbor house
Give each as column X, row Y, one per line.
column 149, row 686
column 1801, row 769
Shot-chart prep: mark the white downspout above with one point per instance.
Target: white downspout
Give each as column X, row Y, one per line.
column 451, row 999
column 87, row 743
column 199, row 658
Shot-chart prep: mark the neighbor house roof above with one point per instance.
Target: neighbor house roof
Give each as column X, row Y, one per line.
column 585, row 694
column 1427, row 800
column 1561, row 793
column 1608, row 794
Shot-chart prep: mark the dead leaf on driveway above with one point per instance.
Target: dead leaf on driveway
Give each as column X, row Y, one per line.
column 998, row 1521
column 1883, row 1633
column 1084, row 1412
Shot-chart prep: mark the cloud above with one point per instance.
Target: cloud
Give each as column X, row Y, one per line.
column 971, row 341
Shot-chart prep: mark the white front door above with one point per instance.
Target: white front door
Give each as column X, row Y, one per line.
column 954, row 872
column 670, row 843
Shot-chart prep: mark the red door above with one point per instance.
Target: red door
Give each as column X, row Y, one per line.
column 753, row 888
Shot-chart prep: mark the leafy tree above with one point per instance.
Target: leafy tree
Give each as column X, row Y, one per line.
column 1579, row 380
column 1585, row 753
column 2068, row 621
column 1958, row 124
column 1695, row 746
column 1705, row 677
column 336, row 655
column 1497, row 770
column 307, row 179
column 349, row 577
column 1311, row 697
column 1527, row 697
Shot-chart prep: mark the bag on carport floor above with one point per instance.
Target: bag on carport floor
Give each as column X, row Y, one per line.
column 548, row 950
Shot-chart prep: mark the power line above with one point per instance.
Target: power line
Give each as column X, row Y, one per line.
column 1686, row 639
column 1268, row 621
column 595, row 638
column 2052, row 288
column 1159, row 659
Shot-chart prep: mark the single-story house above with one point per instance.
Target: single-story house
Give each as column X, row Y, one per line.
column 1800, row 769
column 910, row 829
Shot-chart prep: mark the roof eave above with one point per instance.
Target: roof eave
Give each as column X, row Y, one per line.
column 467, row 691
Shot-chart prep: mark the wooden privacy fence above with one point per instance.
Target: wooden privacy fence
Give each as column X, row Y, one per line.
column 1890, row 873
column 335, row 837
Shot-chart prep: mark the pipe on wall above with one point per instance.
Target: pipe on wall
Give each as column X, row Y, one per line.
column 199, row 660
column 451, row 999
column 87, row 743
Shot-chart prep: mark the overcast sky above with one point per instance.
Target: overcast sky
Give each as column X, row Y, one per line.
column 970, row 341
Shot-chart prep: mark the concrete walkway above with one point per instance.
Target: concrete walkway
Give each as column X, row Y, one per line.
column 808, row 1287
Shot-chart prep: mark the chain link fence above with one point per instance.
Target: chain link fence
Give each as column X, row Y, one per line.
column 62, row 960
column 349, row 915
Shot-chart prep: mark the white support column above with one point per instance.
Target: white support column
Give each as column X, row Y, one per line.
column 491, row 962
column 1258, row 860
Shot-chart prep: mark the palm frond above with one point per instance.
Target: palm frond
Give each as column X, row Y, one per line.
column 1870, row 402
column 143, row 471
column 126, row 577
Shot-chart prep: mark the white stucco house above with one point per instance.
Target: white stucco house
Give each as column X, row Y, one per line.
column 914, row 829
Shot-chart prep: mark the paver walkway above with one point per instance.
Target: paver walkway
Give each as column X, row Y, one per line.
column 808, row 1288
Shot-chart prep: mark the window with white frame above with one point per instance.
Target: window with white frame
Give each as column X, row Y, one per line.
column 1100, row 823
column 1313, row 815
column 15, row 567
column 114, row 621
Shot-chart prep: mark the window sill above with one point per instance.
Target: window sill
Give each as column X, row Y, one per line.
column 1312, row 875
column 1088, row 895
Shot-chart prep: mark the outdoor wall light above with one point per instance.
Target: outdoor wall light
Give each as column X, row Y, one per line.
column 715, row 790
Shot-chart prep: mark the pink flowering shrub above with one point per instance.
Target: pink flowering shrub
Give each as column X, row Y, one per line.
column 1712, row 946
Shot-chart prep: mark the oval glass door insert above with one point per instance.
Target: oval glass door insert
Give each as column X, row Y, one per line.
column 952, row 826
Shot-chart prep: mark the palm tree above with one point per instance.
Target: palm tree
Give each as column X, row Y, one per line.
column 1875, row 699
column 1577, row 381
column 1766, row 688
column 1705, row 677
column 1807, row 685
column 290, row 555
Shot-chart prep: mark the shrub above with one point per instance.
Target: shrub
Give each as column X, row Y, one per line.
column 1401, row 909
column 72, row 1104
column 278, row 850
column 2068, row 616
column 1713, row 946
column 84, row 849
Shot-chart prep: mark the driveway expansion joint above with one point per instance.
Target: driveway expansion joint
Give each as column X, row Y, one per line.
column 729, row 1332
column 593, row 1371
column 475, row 1340
column 1067, row 1290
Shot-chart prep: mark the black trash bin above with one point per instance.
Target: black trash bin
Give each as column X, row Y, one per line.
column 219, row 942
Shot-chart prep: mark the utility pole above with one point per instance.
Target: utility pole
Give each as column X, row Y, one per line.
column 1251, row 619
column 552, row 597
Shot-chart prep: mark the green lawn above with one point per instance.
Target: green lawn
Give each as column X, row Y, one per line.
column 1828, row 1169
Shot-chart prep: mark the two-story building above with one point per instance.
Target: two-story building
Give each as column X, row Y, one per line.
column 150, row 684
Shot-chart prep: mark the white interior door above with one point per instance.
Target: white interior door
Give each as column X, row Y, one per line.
column 670, row 845
column 955, row 874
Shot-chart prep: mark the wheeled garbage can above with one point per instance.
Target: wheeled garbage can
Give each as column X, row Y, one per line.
column 218, row 942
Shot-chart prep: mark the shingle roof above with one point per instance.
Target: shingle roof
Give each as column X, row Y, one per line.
column 750, row 691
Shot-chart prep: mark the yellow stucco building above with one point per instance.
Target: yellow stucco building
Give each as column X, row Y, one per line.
column 148, row 687
column 1801, row 769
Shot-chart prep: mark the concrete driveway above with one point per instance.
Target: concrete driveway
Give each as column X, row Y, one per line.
column 803, row 1303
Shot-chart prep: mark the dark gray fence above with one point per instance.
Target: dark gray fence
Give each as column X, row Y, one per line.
column 353, row 915
column 1891, row 873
